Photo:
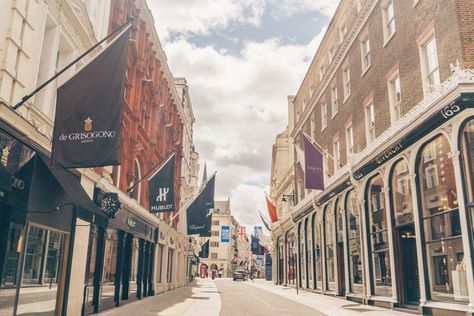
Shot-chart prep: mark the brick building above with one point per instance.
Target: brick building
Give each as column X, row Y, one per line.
column 388, row 97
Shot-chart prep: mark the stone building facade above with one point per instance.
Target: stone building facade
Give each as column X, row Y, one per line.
column 82, row 262
column 388, row 97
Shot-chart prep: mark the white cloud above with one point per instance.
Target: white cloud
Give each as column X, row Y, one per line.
column 289, row 7
column 240, row 106
column 202, row 16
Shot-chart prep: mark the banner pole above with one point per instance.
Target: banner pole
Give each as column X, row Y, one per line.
column 29, row 96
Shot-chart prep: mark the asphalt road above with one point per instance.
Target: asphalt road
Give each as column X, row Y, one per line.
column 241, row 299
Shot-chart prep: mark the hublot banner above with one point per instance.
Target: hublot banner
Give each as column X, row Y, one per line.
column 89, row 111
column 161, row 188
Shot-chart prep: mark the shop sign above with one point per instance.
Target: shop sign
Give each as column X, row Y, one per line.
column 430, row 124
column 130, row 223
column 225, row 234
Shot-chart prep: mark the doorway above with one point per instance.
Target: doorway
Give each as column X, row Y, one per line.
column 340, row 269
column 408, row 266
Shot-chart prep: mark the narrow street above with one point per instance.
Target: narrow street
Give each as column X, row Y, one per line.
column 228, row 298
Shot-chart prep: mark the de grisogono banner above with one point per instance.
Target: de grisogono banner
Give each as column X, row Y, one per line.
column 161, row 188
column 198, row 214
column 89, row 110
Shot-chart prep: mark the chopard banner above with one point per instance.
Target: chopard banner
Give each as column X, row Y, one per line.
column 161, row 188
column 199, row 213
column 89, row 111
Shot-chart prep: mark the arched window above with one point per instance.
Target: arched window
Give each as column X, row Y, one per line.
column 317, row 254
column 355, row 255
column 401, row 194
column 136, row 177
column 339, row 221
column 441, row 224
column 309, row 252
column 290, row 251
column 379, row 246
column 302, row 253
column 329, row 239
column 467, row 141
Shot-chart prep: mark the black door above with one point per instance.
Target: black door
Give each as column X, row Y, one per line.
column 340, row 269
column 409, row 266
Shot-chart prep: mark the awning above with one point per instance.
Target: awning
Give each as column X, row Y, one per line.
column 47, row 189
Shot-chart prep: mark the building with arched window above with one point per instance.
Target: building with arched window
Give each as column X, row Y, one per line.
column 394, row 224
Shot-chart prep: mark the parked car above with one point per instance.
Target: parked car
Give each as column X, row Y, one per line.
column 240, row 275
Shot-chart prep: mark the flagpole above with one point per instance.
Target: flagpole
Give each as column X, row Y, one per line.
column 130, row 19
column 194, row 198
column 315, row 143
column 158, row 164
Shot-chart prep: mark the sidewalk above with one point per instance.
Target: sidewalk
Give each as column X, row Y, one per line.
column 200, row 299
column 329, row 305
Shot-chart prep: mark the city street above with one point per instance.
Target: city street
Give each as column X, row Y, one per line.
column 226, row 297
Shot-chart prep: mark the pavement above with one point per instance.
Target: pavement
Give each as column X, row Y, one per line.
column 227, row 298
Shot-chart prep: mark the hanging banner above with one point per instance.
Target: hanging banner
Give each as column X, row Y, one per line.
column 89, row 110
column 225, row 234
column 313, row 166
column 204, row 253
column 256, row 248
column 161, row 188
column 199, row 214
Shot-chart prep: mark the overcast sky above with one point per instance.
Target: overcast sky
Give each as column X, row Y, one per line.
column 241, row 58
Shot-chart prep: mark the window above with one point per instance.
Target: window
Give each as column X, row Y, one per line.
column 301, row 235
column 346, row 80
column 441, row 224
column 356, row 275
column 336, row 153
column 401, row 194
column 388, row 17
column 365, row 53
column 317, row 255
column 334, row 102
column 135, row 192
column 329, row 238
column 214, row 244
column 215, row 233
column 342, row 33
column 322, row 71
column 332, row 54
column 326, row 161
column 468, row 161
column 213, row 255
column 379, row 246
column 215, row 223
column 395, row 97
column 429, row 61
column 313, row 127
column 349, row 140
column 324, row 116
column 311, row 90
column 370, row 123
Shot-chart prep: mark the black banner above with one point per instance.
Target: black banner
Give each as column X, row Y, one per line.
column 161, row 188
column 198, row 213
column 89, row 111
column 204, row 253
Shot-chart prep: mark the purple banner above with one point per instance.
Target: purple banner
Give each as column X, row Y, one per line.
column 314, row 175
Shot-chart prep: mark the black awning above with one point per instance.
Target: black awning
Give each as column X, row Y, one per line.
column 74, row 191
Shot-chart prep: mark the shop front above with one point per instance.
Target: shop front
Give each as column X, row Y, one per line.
column 120, row 262
column 39, row 208
column 401, row 234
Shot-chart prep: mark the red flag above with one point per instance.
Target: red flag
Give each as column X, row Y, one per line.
column 272, row 210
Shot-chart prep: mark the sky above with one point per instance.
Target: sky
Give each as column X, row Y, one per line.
column 241, row 59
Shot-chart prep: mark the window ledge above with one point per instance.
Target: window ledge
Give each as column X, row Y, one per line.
column 365, row 70
column 389, row 39
column 416, row 3
column 323, row 128
column 345, row 98
column 333, row 115
column 446, row 305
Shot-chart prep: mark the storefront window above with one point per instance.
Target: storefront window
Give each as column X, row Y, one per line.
column 401, row 194
column 317, row 254
column 467, row 139
column 291, row 257
column 309, row 254
column 355, row 260
column 170, row 265
column 329, row 234
column 134, row 268
column 379, row 239
column 301, row 235
column 110, row 265
column 42, row 271
column 444, row 247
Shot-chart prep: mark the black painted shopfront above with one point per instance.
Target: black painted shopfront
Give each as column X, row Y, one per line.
column 120, row 262
column 39, row 207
